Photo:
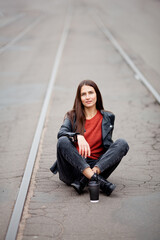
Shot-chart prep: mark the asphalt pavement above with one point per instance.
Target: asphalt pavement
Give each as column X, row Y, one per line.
column 54, row 210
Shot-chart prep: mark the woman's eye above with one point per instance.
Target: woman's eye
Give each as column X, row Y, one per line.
column 89, row 93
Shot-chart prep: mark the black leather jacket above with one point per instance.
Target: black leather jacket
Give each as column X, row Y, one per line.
column 107, row 129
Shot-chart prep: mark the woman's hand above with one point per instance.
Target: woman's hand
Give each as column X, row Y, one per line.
column 84, row 148
column 96, row 170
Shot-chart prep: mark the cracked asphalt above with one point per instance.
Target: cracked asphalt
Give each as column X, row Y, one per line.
column 52, row 209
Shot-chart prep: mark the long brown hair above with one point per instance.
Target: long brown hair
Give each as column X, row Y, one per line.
column 77, row 115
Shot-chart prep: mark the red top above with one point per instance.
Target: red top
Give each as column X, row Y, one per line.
column 93, row 135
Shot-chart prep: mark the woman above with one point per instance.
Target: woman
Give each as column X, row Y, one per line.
column 85, row 149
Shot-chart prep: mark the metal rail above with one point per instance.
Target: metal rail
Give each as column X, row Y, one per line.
column 19, row 205
column 13, row 19
column 138, row 74
column 20, row 35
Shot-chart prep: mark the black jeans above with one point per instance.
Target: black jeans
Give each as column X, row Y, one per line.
column 71, row 164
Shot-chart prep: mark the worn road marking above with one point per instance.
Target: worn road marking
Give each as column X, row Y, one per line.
column 138, row 74
column 17, row 212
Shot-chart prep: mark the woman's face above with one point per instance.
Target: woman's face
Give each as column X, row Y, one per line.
column 88, row 96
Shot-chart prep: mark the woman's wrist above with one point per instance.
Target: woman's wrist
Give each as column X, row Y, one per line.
column 76, row 137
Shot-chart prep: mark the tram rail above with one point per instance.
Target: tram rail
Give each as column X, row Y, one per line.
column 138, row 74
column 20, row 35
column 19, row 205
column 13, row 19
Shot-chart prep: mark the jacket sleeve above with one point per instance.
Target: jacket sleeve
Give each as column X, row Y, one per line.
column 107, row 128
column 112, row 118
column 66, row 130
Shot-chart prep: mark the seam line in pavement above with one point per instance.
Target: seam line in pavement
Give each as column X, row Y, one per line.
column 13, row 19
column 128, row 60
column 19, row 205
column 20, row 35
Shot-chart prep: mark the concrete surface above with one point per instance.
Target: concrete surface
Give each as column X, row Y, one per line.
column 24, row 75
column 54, row 210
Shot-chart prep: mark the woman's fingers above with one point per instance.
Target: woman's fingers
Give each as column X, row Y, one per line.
column 84, row 149
column 80, row 149
column 89, row 150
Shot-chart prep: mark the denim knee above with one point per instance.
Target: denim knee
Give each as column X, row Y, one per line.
column 123, row 145
column 67, row 151
column 63, row 142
